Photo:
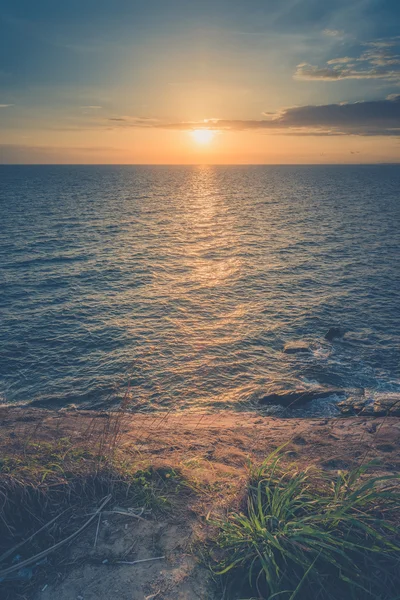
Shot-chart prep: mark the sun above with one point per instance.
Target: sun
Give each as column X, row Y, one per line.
column 203, row 136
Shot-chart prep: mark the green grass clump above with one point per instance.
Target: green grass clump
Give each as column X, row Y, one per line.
column 309, row 538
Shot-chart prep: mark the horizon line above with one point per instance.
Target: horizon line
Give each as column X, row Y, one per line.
column 199, row 164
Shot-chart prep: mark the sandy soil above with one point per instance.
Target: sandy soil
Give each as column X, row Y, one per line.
column 220, row 442
column 210, row 449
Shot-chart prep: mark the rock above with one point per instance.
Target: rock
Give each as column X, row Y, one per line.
column 386, row 448
column 387, row 404
column 293, row 398
column 335, row 464
column 378, row 405
column 355, row 405
column 296, row 347
column 299, row 440
column 334, row 333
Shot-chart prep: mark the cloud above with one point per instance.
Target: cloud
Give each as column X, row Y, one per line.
column 372, row 118
column 379, row 56
column 311, row 72
column 6, row 105
column 92, row 107
column 19, row 154
column 378, row 59
column 338, row 61
column 333, row 32
column 385, row 43
column 135, row 121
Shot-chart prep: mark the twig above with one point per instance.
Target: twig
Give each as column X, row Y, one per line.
column 130, row 548
column 153, row 596
column 97, row 531
column 44, row 553
column 135, row 562
column 124, row 513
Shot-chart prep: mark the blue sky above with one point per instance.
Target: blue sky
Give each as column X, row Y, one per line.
column 95, row 66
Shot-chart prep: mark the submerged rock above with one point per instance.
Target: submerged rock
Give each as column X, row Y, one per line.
column 334, row 333
column 293, row 398
column 378, row 405
column 355, row 405
column 296, row 347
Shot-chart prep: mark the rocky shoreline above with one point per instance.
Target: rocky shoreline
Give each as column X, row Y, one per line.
column 355, row 402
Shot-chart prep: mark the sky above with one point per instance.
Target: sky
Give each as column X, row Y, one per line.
column 199, row 81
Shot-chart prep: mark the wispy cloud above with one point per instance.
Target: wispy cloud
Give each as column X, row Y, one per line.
column 92, row 107
column 6, row 105
column 18, row 153
column 135, row 121
column 312, row 72
column 378, row 59
column 339, row 61
column 333, row 32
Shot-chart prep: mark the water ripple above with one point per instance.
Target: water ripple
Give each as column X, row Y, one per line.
column 188, row 281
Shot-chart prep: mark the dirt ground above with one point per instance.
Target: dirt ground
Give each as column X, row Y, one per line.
column 96, row 573
column 212, row 451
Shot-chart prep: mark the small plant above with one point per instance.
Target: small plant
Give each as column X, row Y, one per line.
column 306, row 538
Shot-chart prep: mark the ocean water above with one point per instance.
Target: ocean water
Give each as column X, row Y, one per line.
column 182, row 284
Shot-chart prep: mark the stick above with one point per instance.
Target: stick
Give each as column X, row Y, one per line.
column 97, row 531
column 124, row 513
column 135, row 562
column 130, row 548
column 44, row 553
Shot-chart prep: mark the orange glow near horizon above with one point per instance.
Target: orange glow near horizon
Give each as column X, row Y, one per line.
column 146, row 145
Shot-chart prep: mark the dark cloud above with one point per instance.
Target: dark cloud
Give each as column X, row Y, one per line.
column 375, row 117
column 379, row 114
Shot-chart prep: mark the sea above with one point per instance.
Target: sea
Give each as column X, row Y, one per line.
column 177, row 287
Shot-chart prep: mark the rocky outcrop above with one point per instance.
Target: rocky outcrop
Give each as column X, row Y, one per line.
column 293, row 398
column 296, row 347
column 378, row 405
column 387, row 404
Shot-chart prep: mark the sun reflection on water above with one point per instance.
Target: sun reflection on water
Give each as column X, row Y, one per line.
column 208, row 233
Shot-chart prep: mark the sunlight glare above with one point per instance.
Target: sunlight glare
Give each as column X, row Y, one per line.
column 203, row 136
